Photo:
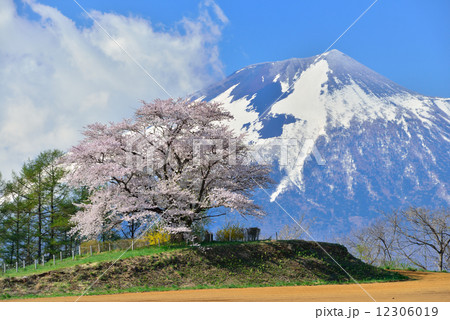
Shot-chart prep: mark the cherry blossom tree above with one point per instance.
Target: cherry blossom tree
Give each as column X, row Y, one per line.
column 173, row 161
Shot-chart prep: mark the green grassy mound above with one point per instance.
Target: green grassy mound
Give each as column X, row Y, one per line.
column 87, row 259
column 218, row 265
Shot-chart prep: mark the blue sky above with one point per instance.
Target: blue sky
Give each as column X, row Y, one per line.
column 59, row 71
column 406, row 40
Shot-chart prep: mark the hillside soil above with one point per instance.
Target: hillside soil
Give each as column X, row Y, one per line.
column 227, row 265
column 424, row 286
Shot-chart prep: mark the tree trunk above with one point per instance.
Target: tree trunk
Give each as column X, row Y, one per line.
column 17, row 234
column 39, row 218
column 39, row 234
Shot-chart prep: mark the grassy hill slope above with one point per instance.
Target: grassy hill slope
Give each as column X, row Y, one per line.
column 265, row 263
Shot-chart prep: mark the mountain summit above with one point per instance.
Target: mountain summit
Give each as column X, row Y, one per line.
column 344, row 140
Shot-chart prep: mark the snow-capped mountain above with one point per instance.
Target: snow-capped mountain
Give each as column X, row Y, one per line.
column 345, row 141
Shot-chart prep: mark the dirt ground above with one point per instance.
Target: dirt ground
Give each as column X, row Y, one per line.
column 426, row 286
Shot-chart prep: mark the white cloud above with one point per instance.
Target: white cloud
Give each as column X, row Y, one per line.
column 56, row 77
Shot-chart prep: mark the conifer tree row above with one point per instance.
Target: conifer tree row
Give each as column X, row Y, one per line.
column 35, row 211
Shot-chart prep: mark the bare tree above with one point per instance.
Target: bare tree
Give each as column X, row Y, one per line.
column 422, row 232
column 362, row 244
column 448, row 258
column 294, row 231
column 375, row 243
column 384, row 236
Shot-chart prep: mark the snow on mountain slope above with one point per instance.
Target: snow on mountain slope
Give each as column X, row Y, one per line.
column 374, row 144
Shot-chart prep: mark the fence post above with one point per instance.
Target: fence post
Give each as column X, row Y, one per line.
column 98, row 247
column 43, row 261
column 23, row 264
column 4, row 267
column 60, row 255
column 132, row 245
column 79, row 250
column 73, row 255
column 35, row 264
column 54, row 261
column 90, row 248
column 17, row 266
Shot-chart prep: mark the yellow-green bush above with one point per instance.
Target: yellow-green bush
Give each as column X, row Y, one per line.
column 158, row 236
column 230, row 232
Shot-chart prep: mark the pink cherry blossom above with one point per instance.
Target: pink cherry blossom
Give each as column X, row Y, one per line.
column 174, row 160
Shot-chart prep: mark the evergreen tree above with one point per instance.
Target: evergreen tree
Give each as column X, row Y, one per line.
column 15, row 219
column 35, row 211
